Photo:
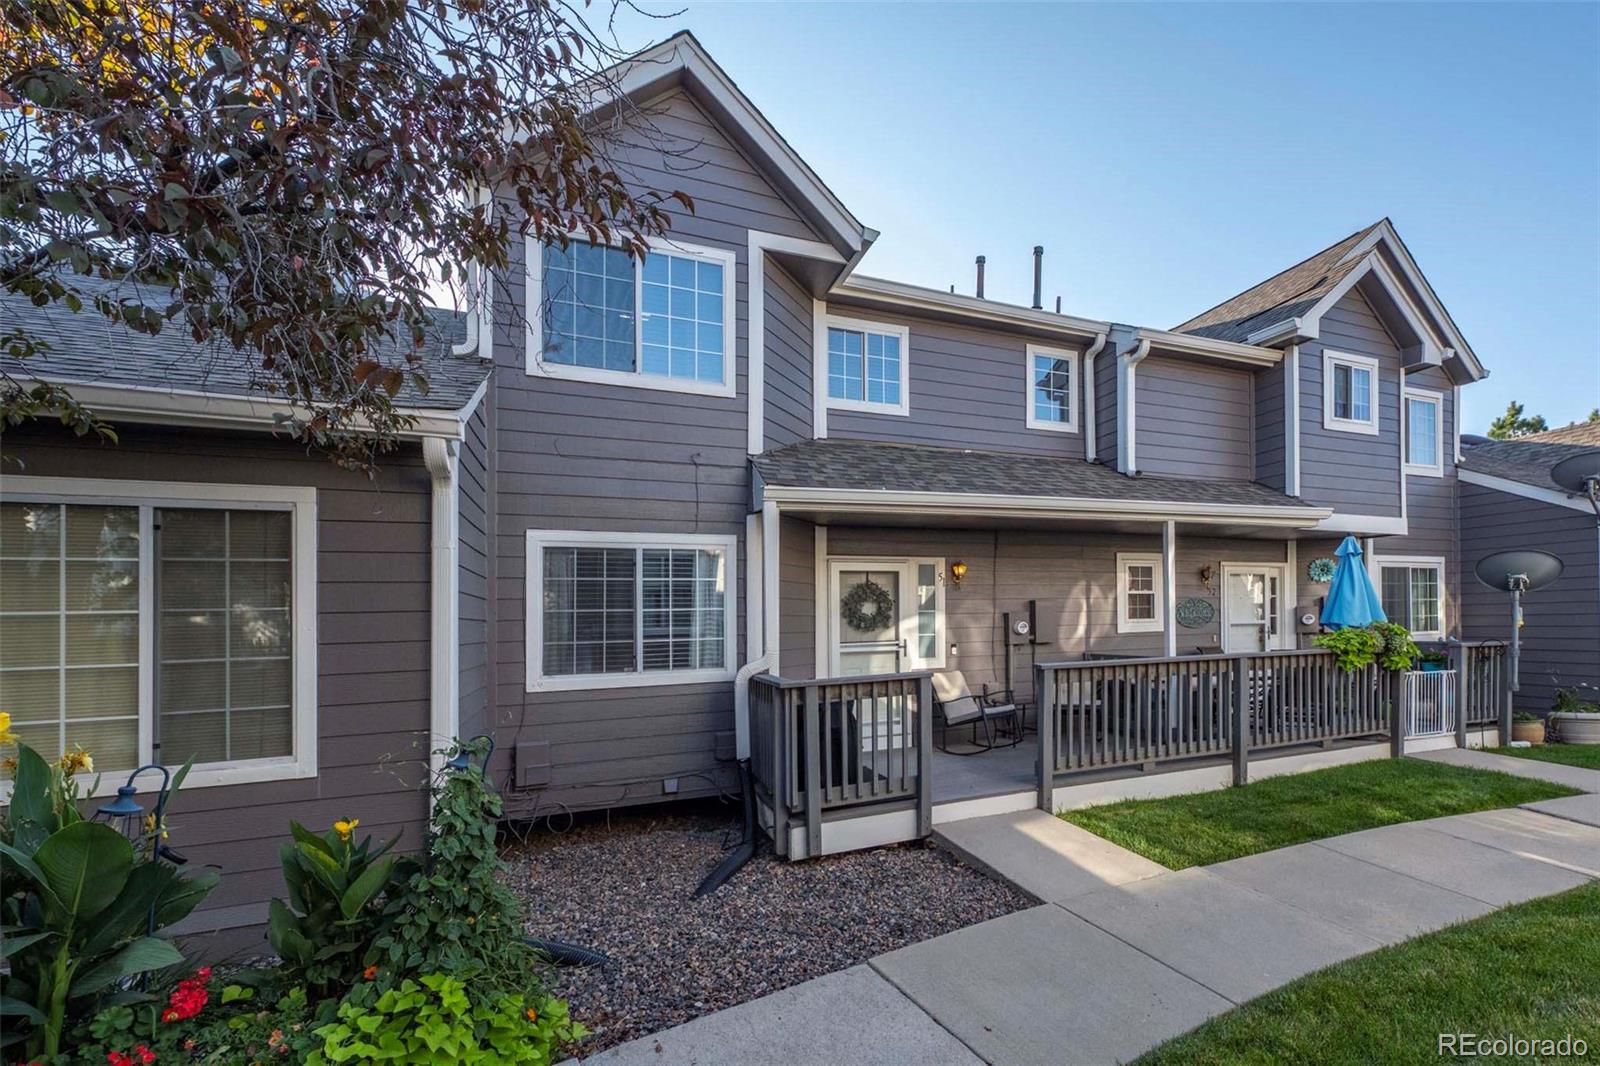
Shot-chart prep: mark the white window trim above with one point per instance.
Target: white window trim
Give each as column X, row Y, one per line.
column 1435, row 469
column 1075, row 363
column 1139, row 625
column 862, row 325
column 537, row 366
column 540, row 539
column 1330, row 421
column 301, row 502
column 1413, row 562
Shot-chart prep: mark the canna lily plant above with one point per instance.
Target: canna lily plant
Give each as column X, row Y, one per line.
column 80, row 908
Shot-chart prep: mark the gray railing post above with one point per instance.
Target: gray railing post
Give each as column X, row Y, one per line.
column 924, row 755
column 1241, row 721
column 1504, row 696
column 1394, row 682
column 1459, row 657
column 1044, row 690
column 810, row 717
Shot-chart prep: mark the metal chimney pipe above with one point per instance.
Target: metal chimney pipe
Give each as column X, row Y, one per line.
column 1038, row 277
column 981, row 261
column 1058, row 305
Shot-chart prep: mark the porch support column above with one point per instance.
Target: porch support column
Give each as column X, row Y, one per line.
column 769, row 584
column 444, row 716
column 1169, row 598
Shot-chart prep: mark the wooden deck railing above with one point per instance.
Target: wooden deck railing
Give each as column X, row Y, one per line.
column 841, row 746
column 1147, row 712
column 1484, row 669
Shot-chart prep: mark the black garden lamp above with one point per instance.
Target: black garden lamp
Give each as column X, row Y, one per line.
column 462, row 759
column 126, row 816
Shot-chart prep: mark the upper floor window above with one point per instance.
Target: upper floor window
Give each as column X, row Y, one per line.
column 1424, row 432
column 868, row 366
column 1349, row 392
column 1139, row 580
column 1413, row 594
column 615, row 609
column 1052, row 389
column 172, row 623
column 663, row 322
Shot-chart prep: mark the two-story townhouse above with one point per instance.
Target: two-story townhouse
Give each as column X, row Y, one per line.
column 739, row 457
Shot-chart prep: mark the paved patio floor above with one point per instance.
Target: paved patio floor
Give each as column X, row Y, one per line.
column 1122, row 954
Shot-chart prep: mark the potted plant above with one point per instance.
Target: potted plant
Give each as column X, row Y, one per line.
column 1577, row 720
column 1433, row 661
column 1528, row 727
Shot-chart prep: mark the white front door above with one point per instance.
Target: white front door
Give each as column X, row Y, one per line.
column 906, row 595
column 1251, row 606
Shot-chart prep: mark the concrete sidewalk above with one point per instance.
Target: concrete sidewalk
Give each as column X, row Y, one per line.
column 1123, row 955
column 1559, row 773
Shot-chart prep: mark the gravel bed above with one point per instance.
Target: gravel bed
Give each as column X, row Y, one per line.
column 625, row 889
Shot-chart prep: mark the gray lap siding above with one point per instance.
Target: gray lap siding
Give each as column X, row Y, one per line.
column 373, row 540
column 1194, row 420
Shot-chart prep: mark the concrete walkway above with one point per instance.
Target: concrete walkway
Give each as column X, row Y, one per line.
column 1572, row 776
column 1123, row 954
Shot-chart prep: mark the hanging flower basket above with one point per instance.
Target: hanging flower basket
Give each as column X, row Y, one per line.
column 867, row 607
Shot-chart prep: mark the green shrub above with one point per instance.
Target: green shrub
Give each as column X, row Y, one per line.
column 1396, row 649
column 435, row 1020
column 81, row 903
column 1571, row 701
column 1385, row 643
column 336, row 902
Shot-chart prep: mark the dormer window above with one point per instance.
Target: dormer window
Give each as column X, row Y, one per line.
column 1349, row 393
column 663, row 322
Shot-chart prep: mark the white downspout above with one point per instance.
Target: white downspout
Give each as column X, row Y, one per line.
column 480, row 319
column 1169, row 579
column 444, row 722
column 761, row 616
column 1088, row 396
column 1127, row 452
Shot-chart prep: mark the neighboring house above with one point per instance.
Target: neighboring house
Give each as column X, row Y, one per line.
column 674, row 476
column 1508, row 501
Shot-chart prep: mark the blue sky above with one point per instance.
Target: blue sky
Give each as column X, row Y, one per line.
column 1168, row 156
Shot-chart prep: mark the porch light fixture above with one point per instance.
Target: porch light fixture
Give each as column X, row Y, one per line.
column 958, row 570
column 1206, row 574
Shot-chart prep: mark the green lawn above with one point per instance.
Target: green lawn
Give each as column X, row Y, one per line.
column 1530, row 971
column 1584, row 755
column 1214, row 826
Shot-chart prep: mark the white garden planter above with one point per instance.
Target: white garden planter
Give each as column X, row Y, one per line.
column 1577, row 727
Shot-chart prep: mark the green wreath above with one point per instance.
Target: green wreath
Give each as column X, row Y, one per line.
column 1320, row 570
column 867, row 607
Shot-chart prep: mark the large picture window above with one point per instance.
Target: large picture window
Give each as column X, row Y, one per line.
column 610, row 609
column 1349, row 393
column 664, row 322
column 160, row 623
column 1412, row 591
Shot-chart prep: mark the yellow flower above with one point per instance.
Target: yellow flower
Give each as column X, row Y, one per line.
column 345, row 827
column 531, row 1014
column 77, row 761
column 6, row 735
column 150, row 826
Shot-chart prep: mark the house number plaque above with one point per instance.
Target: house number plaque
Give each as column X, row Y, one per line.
column 1195, row 612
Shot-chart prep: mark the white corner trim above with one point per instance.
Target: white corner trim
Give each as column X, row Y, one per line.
column 822, row 624
column 533, row 629
column 819, row 370
column 1555, row 497
column 301, row 502
column 444, row 718
column 1074, row 362
column 1455, row 420
column 1436, row 398
column 1291, row 421
column 756, row 318
column 1364, row 524
column 1330, row 421
column 1158, row 577
column 771, row 590
column 1127, row 404
column 1169, row 585
column 536, row 366
column 867, row 326
column 754, row 577
column 1090, row 428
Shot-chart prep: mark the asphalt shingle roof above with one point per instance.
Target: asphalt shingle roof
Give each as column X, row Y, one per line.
column 1577, row 433
column 88, row 348
column 1282, row 296
column 856, row 464
column 1526, row 459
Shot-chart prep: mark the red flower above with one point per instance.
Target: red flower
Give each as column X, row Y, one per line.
column 146, row 1056
column 187, row 999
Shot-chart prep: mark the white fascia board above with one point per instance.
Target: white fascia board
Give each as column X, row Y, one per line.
column 1365, row 524
column 1229, row 351
column 1385, row 234
column 960, row 503
column 899, row 294
column 1285, row 330
column 185, row 407
column 1374, row 264
column 1554, row 497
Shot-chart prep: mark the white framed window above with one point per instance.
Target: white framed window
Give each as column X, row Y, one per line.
column 1349, row 392
column 1413, row 593
column 868, row 364
column 1424, row 432
column 155, row 622
column 662, row 322
column 613, row 610
column 1139, row 580
column 1052, row 384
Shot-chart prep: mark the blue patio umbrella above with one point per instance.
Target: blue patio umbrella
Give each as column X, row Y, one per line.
column 1351, row 599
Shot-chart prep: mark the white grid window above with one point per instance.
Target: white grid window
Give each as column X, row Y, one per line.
column 1139, row 593
column 615, row 609
column 1413, row 595
column 1052, row 389
column 867, row 366
column 1350, row 392
column 1424, row 432
column 682, row 323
